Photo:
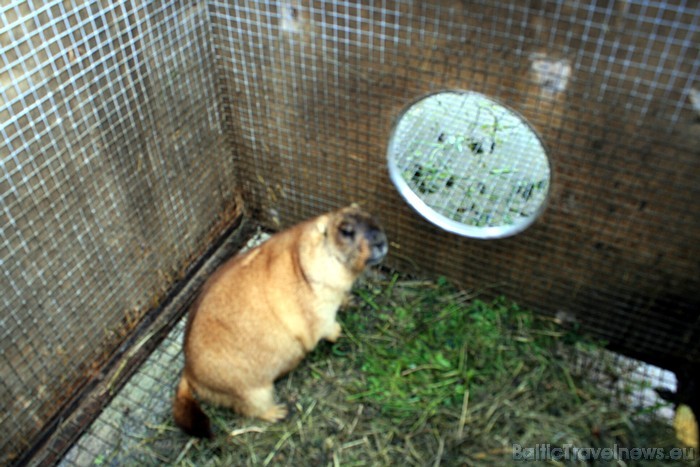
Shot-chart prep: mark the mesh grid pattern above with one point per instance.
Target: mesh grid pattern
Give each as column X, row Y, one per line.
column 112, row 181
column 141, row 409
column 619, row 238
column 470, row 160
column 129, row 127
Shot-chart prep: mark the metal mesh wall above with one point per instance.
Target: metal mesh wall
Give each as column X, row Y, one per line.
column 608, row 86
column 129, row 127
column 115, row 174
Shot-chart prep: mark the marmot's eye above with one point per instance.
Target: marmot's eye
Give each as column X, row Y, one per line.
column 347, row 231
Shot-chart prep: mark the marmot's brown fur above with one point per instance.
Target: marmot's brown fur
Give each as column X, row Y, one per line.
column 261, row 312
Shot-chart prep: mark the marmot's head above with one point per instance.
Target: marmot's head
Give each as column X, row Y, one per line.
column 357, row 237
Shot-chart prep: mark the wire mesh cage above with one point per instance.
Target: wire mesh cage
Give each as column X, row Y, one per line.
column 135, row 133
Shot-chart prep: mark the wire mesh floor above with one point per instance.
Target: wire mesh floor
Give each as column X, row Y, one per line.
column 136, row 427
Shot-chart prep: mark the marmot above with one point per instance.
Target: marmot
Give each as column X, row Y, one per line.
column 262, row 311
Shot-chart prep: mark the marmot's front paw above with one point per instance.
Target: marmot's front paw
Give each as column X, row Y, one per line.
column 335, row 333
column 275, row 413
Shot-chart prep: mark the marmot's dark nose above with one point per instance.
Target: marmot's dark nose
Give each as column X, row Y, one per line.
column 378, row 246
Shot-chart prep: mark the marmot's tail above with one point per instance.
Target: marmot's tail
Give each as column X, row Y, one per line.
column 188, row 414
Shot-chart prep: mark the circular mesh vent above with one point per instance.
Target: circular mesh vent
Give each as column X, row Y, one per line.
column 469, row 165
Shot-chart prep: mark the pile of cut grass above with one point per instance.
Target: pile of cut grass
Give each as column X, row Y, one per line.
column 427, row 375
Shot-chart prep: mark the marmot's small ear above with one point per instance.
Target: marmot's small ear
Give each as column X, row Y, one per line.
column 322, row 225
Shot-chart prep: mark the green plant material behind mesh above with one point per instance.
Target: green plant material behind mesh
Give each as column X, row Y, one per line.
column 491, row 371
column 441, row 348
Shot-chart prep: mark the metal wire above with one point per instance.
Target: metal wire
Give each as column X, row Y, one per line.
column 110, row 184
column 137, row 413
column 469, row 165
column 128, row 128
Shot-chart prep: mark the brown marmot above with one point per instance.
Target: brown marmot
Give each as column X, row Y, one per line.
column 262, row 311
